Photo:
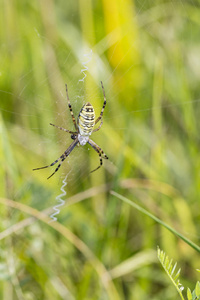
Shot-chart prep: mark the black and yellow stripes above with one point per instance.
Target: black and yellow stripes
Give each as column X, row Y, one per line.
column 70, row 108
column 61, row 128
column 104, row 104
column 99, row 151
column 86, row 119
column 61, row 158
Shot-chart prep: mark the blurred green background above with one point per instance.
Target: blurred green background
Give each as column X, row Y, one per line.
column 147, row 53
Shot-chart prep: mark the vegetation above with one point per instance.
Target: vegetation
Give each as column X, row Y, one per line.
column 103, row 244
column 170, row 269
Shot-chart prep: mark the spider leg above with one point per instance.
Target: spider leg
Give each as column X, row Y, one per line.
column 61, row 128
column 70, row 108
column 95, row 146
column 99, row 151
column 98, row 127
column 104, row 104
column 62, row 158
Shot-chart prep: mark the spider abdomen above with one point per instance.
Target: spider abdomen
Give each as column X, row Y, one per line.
column 86, row 119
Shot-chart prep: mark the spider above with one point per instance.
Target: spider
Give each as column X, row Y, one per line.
column 84, row 128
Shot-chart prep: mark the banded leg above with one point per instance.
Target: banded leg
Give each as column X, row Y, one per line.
column 95, row 146
column 98, row 127
column 62, row 158
column 61, row 128
column 99, row 151
column 104, row 104
column 70, row 108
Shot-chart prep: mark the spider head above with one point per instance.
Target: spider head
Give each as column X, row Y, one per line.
column 73, row 136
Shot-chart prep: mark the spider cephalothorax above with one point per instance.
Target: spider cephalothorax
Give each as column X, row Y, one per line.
column 84, row 128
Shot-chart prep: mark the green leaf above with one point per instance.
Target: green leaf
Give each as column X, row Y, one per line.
column 189, row 294
column 170, row 270
column 197, row 289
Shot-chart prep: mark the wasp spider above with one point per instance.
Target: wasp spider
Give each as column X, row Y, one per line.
column 84, row 128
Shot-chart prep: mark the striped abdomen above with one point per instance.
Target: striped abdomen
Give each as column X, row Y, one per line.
column 86, row 119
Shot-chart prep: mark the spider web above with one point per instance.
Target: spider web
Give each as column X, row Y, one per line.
column 49, row 143
column 75, row 168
